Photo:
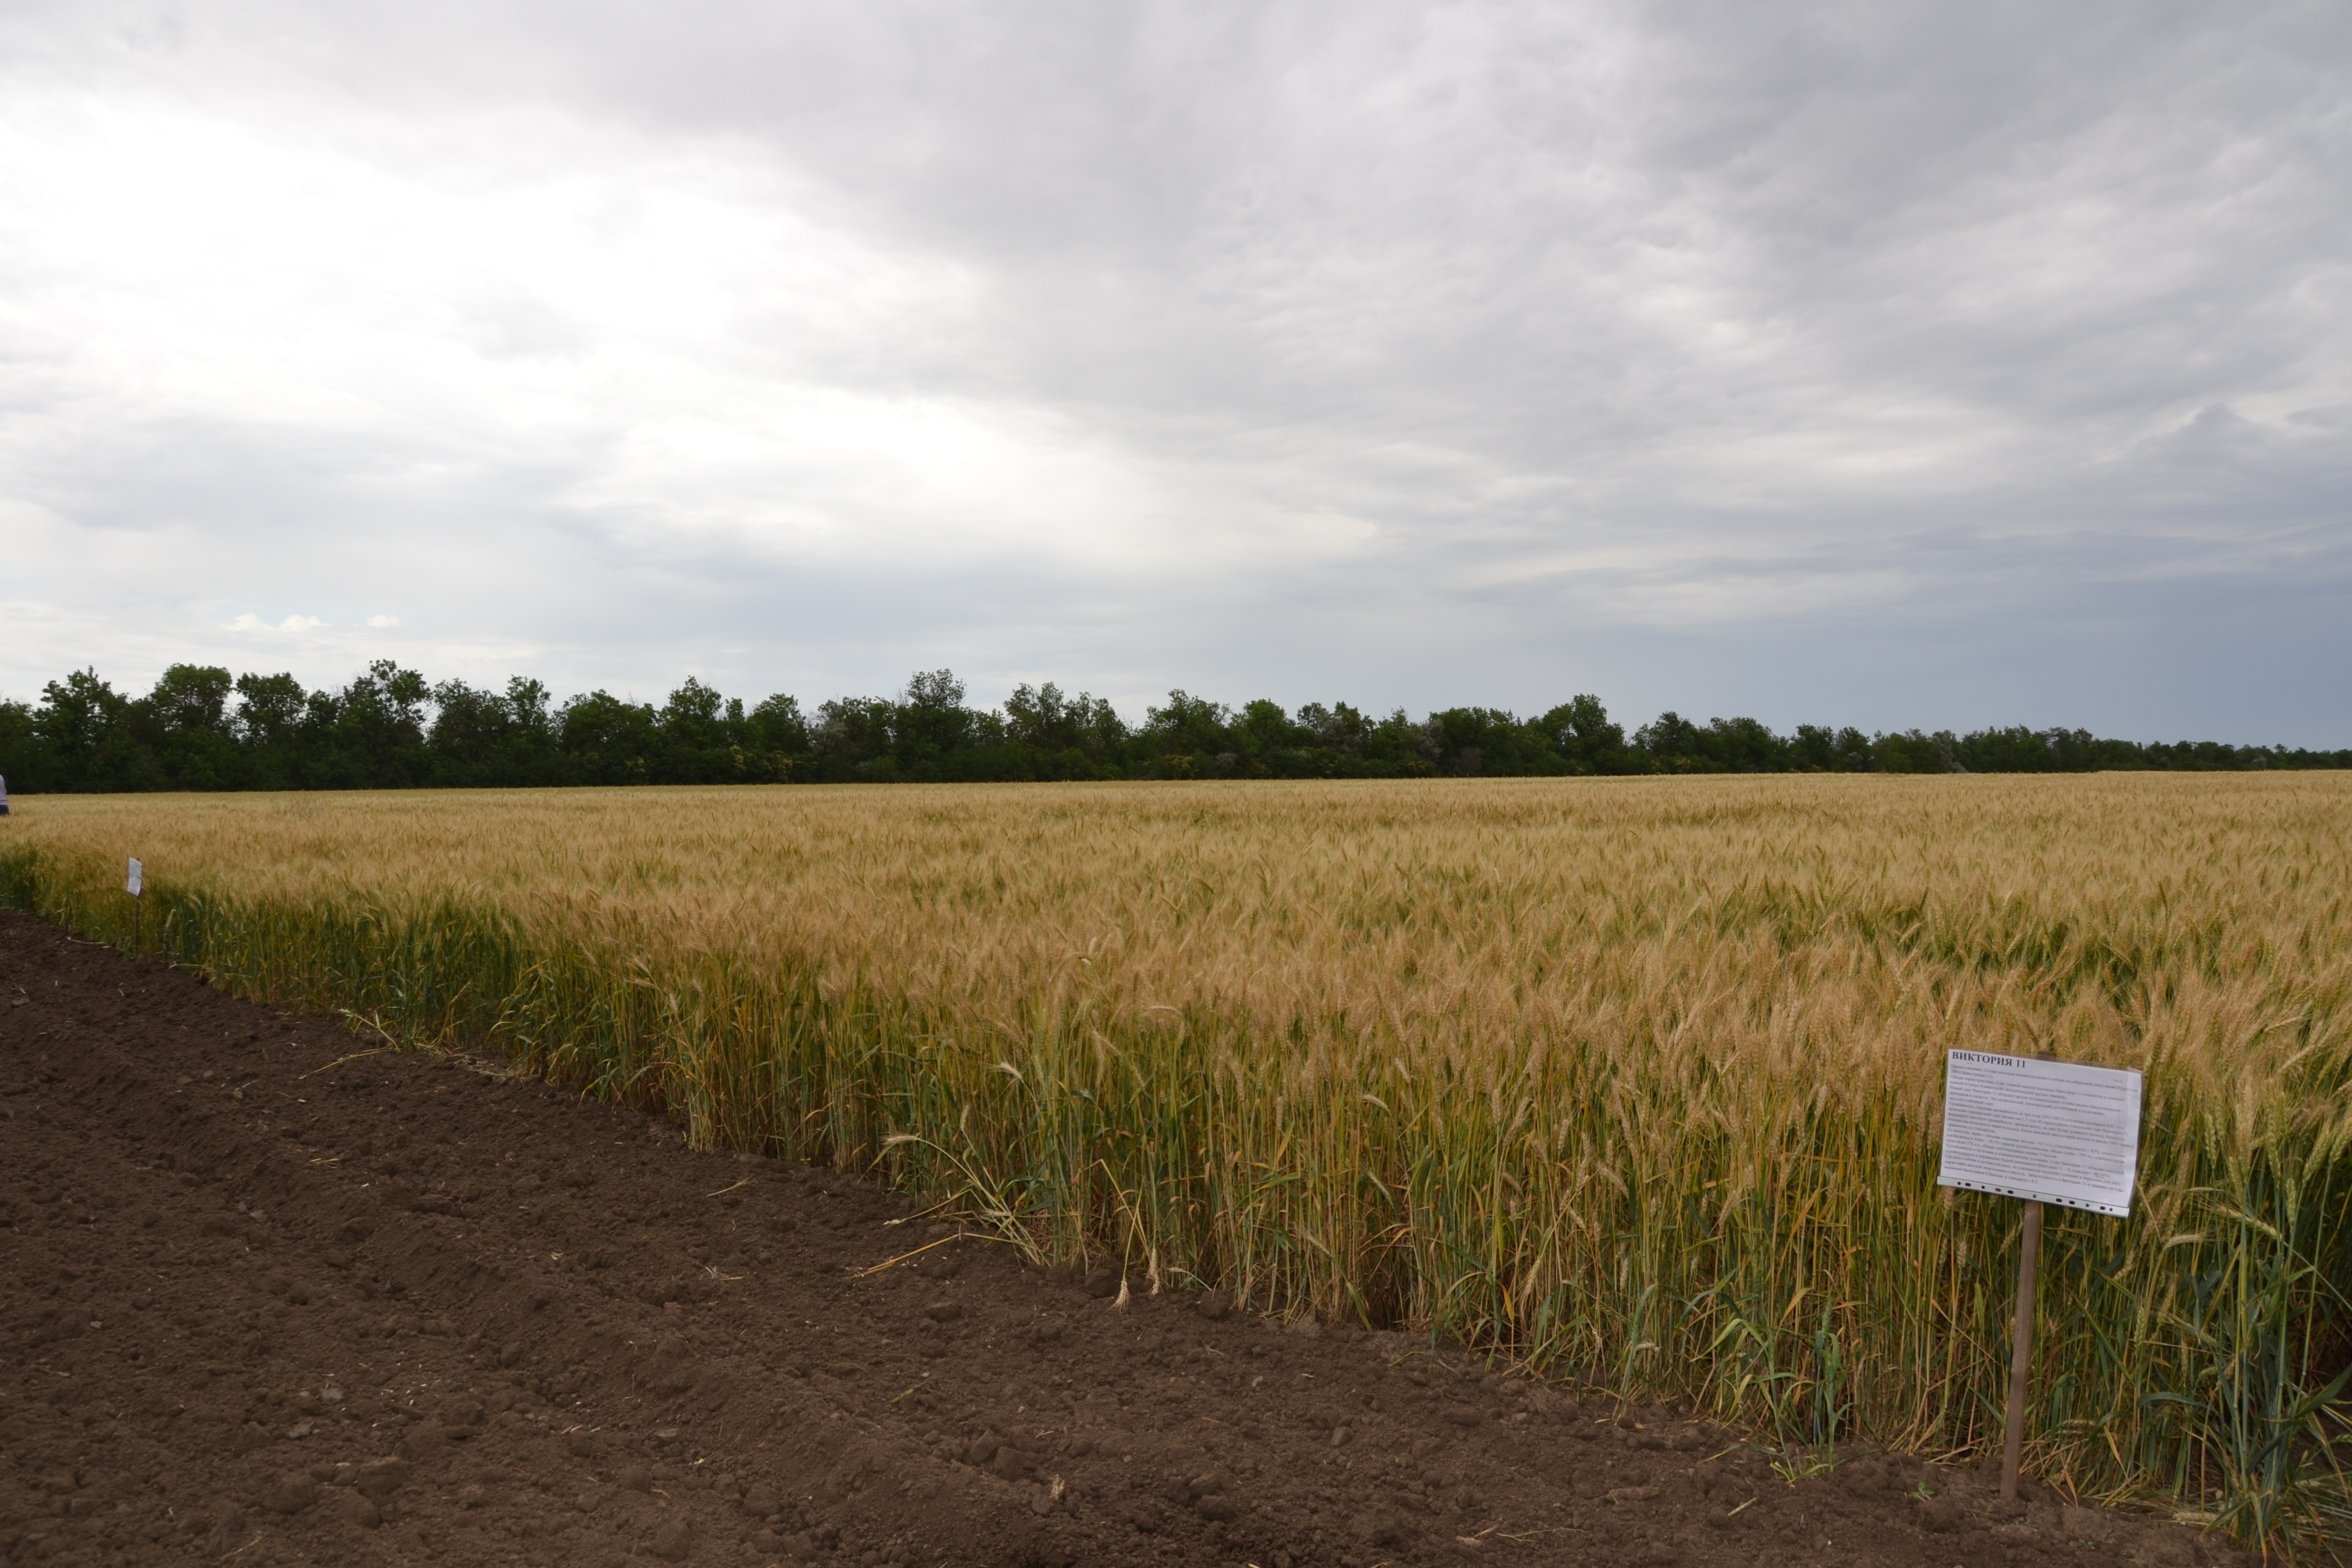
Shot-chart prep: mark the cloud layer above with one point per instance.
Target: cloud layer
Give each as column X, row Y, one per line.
column 1874, row 365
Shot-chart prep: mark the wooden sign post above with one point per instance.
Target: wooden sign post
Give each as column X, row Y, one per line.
column 2020, row 1339
column 138, row 875
column 2048, row 1133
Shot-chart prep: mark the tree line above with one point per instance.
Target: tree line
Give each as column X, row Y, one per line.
column 202, row 728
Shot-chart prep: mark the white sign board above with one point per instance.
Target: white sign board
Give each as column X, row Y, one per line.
column 132, row 887
column 2053, row 1132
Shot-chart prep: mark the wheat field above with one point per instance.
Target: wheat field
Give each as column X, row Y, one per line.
column 1639, row 1080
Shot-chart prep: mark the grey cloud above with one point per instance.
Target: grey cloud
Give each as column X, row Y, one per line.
column 1903, row 364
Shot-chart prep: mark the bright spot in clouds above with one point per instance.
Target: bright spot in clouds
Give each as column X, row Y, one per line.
column 249, row 622
column 1890, row 366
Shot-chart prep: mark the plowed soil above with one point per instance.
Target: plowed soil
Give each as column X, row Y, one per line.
column 270, row 1296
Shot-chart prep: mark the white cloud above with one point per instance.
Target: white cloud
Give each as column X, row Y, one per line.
column 381, row 621
column 249, row 622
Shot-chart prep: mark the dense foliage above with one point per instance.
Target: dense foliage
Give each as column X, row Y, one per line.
column 390, row 728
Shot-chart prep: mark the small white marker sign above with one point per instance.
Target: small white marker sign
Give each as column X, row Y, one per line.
column 2056, row 1133
column 132, row 887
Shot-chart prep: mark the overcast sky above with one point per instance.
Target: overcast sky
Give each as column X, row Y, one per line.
column 1869, row 363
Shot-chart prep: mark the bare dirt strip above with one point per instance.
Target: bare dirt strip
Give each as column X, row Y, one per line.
column 271, row 1297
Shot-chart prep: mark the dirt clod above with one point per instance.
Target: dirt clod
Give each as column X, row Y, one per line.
column 425, row 1442
column 379, row 1479
column 288, row 1493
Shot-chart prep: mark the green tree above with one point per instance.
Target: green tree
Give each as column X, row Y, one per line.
column 186, row 722
column 1339, row 728
column 192, row 699
column 694, row 716
column 1583, row 735
column 778, row 725
column 614, row 740
column 84, row 726
column 930, row 722
column 1190, row 735
column 199, row 729
column 269, row 709
column 24, row 761
column 851, row 738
